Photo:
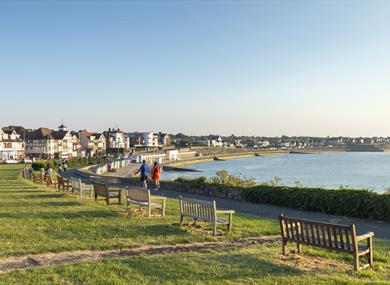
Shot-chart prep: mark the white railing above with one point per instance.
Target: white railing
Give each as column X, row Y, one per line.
column 103, row 168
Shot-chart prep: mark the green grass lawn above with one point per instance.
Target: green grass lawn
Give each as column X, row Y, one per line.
column 36, row 219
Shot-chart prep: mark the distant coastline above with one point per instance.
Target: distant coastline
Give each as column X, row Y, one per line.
column 179, row 165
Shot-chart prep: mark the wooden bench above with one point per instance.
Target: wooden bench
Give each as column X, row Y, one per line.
column 141, row 197
column 63, row 183
column 41, row 179
column 80, row 188
column 26, row 174
column 206, row 211
column 330, row 236
column 101, row 189
column 33, row 177
column 50, row 182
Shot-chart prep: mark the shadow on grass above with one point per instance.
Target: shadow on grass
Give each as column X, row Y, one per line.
column 21, row 191
column 209, row 267
column 58, row 204
column 122, row 231
column 59, row 215
column 42, row 196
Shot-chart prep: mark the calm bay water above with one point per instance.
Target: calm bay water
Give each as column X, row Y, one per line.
column 329, row 170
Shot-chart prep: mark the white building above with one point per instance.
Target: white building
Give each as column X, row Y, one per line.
column 46, row 143
column 216, row 142
column 150, row 139
column 11, row 145
column 94, row 144
column 116, row 139
column 77, row 148
column 144, row 139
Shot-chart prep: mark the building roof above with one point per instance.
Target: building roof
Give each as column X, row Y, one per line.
column 9, row 131
column 45, row 134
column 59, row 135
column 90, row 134
column 39, row 134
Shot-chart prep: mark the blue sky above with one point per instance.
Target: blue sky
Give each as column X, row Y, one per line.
column 248, row 68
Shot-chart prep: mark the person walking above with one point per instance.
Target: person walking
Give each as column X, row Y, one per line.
column 156, row 173
column 144, row 170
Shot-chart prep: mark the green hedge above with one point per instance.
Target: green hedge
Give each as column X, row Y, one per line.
column 71, row 163
column 78, row 162
column 351, row 203
column 37, row 165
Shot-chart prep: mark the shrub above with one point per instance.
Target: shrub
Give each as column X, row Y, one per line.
column 352, row 203
column 198, row 180
column 224, row 178
column 37, row 165
column 344, row 201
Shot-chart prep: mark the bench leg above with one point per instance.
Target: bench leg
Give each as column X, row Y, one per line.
column 355, row 261
column 299, row 247
column 284, row 247
column 107, row 201
column 149, row 212
column 230, row 225
column 181, row 220
column 127, row 208
column 215, row 229
column 369, row 255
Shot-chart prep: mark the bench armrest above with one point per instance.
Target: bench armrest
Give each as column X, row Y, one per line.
column 365, row 236
column 225, row 211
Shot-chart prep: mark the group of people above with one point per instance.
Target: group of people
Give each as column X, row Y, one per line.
column 62, row 167
column 44, row 173
column 144, row 171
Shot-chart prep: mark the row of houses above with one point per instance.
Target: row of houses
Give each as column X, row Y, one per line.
column 283, row 142
column 63, row 144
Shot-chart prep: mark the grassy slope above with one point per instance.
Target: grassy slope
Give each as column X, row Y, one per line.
column 35, row 220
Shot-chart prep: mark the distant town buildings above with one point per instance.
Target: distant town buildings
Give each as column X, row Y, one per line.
column 16, row 142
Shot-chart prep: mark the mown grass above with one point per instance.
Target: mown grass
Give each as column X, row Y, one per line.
column 262, row 264
column 37, row 219
column 34, row 219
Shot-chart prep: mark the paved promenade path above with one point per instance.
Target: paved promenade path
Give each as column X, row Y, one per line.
column 381, row 229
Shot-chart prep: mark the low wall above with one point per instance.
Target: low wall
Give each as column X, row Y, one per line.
column 103, row 168
column 202, row 189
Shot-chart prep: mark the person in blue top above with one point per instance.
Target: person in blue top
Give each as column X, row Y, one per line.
column 144, row 170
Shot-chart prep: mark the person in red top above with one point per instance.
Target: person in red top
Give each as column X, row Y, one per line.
column 156, row 173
